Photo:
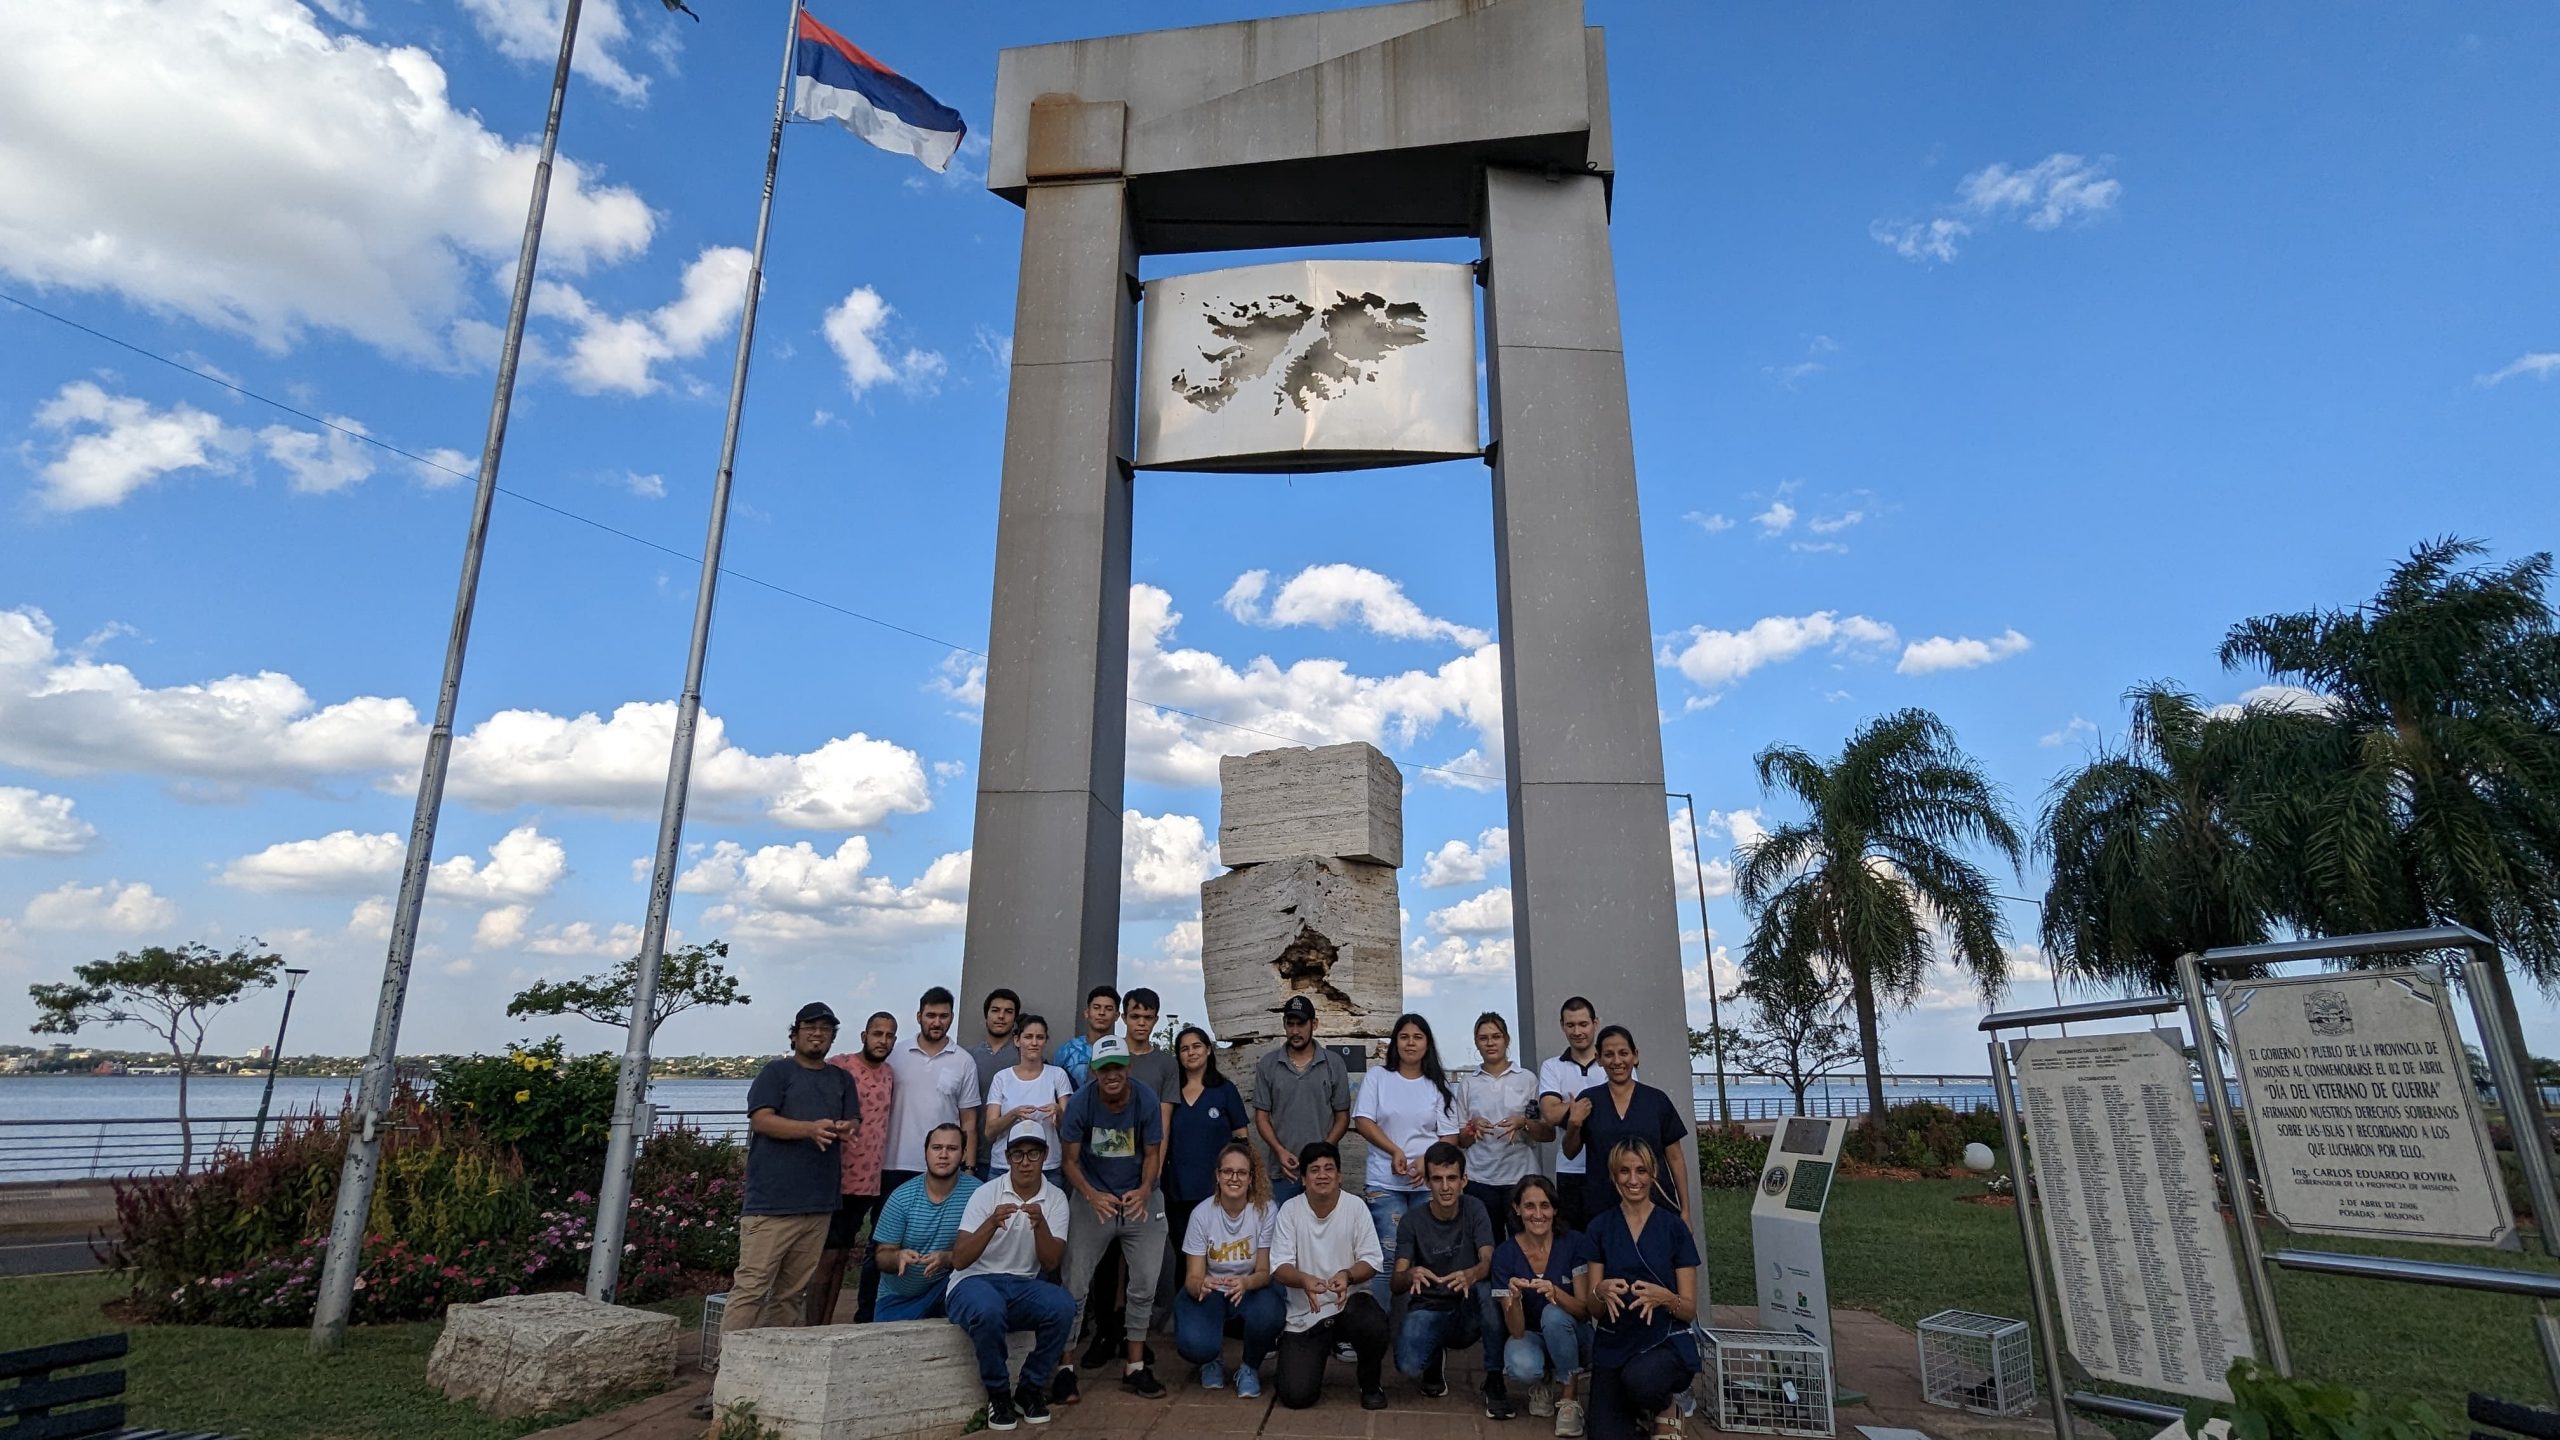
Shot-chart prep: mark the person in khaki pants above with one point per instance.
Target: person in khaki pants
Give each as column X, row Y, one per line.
column 799, row 1109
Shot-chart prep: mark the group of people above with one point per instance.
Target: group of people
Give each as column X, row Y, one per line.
column 1120, row 1188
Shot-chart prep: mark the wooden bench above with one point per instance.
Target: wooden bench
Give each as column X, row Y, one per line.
column 2525, row 1420
column 39, row 1405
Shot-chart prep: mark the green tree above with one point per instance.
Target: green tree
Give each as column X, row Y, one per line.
column 1791, row 1030
column 695, row 975
column 2432, row 793
column 173, row 990
column 2150, row 856
column 1869, row 888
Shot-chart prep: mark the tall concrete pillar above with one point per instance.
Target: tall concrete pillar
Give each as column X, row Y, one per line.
column 1046, row 872
column 1592, row 908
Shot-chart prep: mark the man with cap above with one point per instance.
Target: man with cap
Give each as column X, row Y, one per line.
column 1013, row 1230
column 1113, row 1132
column 1301, row 1094
column 799, row 1109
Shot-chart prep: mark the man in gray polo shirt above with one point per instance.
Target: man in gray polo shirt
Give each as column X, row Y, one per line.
column 1301, row 1094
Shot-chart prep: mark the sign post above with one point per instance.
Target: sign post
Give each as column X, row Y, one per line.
column 1786, row 1229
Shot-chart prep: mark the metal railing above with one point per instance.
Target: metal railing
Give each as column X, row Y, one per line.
column 98, row 1149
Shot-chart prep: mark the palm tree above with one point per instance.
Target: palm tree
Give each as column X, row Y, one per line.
column 2432, row 793
column 1868, row 888
column 2150, row 855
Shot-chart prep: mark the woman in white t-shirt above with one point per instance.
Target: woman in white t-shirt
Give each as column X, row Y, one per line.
column 1030, row 1090
column 1226, row 1259
column 1405, row 1105
column 1500, row 1105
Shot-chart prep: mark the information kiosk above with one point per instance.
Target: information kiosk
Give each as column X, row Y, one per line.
column 1786, row 1226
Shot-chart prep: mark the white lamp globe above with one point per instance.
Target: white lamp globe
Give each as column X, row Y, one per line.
column 1977, row 1157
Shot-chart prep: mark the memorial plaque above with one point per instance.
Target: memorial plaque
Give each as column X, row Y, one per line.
column 2141, row 1262
column 2360, row 1101
column 1309, row 365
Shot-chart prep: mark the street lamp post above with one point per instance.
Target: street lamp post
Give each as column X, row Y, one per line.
column 292, row 982
column 1706, row 942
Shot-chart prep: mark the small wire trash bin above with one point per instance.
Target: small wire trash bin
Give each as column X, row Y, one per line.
column 715, row 1308
column 1981, row 1363
column 1767, row 1382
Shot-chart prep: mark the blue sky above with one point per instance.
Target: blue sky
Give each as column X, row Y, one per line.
column 1983, row 358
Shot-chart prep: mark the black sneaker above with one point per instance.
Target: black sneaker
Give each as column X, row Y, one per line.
column 1435, row 1375
column 1142, row 1382
column 1103, row 1350
column 1000, row 1412
column 1034, row 1405
column 1063, row 1390
column 1497, row 1399
column 1373, row 1399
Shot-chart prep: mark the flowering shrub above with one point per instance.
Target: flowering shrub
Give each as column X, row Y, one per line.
column 1922, row 1135
column 555, row 1110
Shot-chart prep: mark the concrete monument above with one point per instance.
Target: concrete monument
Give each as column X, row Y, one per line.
column 1432, row 119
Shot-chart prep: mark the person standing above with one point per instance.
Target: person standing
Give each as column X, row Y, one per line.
column 918, row 1227
column 1301, row 1094
column 1561, row 1081
column 1644, row 1279
column 1011, row 1234
column 1031, row 1091
column 799, row 1108
column 1323, row 1255
column 1405, row 1107
column 1114, row 1135
column 994, row 1053
column 1101, row 1017
column 1202, row 1114
column 1545, row 1296
column 936, row 1084
column 872, row 1083
column 1150, row 1064
column 1627, row 1109
column 1226, row 1250
column 1444, row 1252
column 1503, row 1118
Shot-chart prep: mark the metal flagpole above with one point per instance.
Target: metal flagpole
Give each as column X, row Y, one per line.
column 336, row 1299
column 1706, row 942
column 613, row 1196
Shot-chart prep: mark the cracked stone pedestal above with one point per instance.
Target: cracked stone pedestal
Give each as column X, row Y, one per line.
column 896, row 1380
column 1346, row 801
column 1312, row 926
column 525, row 1354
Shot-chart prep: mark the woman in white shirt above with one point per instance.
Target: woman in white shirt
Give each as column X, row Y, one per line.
column 1226, row 1253
column 1405, row 1105
column 1030, row 1090
column 1500, row 1105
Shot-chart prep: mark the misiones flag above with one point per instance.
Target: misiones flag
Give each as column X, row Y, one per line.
column 832, row 79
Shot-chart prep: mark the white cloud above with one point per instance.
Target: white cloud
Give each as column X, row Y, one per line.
column 1458, row 863
column 1469, row 769
column 265, row 175
column 582, row 938
column 1714, row 659
column 2058, row 190
column 1715, row 524
column 524, row 865
column 319, row 462
column 962, row 678
column 114, row 908
column 529, row 30
column 798, row 895
column 113, row 445
column 2540, row 364
column 2286, row 699
column 1163, row 860
column 1920, row 239
column 1775, row 519
column 1834, row 524
column 1456, row 957
column 855, row 327
column 371, row 919
column 1736, row 827
column 34, row 823
column 647, row 487
column 2074, row 730
column 1327, row 596
column 443, row 467
column 502, row 928
column 1942, row 652
column 1488, row 913
column 1311, row 702
column 618, row 354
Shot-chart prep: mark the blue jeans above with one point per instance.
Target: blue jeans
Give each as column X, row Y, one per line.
column 925, row 1306
column 1386, row 1207
column 1284, row 1191
column 1553, row 1351
column 990, row 1307
column 1425, row 1333
column 1200, row 1326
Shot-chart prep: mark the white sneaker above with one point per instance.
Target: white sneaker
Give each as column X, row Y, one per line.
column 1568, row 1419
column 1542, row 1399
column 1344, row 1353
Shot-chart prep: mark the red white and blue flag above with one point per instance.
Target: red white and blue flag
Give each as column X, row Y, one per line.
column 832, row 79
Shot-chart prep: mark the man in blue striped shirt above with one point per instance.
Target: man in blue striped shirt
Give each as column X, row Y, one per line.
column 916, row 1228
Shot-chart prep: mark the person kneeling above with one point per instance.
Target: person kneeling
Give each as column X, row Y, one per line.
column 1014, row 1228
column 1444, row 1251
column 1539, row 1279
column 1325, row 1253
column 1644, row 1281
column 1226, row 1252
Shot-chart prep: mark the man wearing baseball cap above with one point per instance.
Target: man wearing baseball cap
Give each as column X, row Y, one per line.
column 1015, row 1228
column 1301, row 1094
column 1113, row 1132
column 799, row 1109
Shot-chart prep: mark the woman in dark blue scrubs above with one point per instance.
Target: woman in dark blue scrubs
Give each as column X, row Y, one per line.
column 1644, row 1283
column 1202, row 1113
column 1628, row 1109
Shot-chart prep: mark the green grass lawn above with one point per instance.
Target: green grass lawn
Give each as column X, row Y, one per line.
column 1905, row 1249
column 263, row 1383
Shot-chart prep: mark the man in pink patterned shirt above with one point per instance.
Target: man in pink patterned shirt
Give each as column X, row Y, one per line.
column 869, row 1067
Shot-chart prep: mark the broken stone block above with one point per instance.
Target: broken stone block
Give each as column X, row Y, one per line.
column 1346, row 801
column 526, row 1354
column 1319, row 927
column 895, row 1380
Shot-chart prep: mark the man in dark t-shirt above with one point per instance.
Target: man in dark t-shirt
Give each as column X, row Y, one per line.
column 1444, row 1252
column 799, row 1108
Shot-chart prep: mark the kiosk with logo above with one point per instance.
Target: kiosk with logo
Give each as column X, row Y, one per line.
column 1786, row 1226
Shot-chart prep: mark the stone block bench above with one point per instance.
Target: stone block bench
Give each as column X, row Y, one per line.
column 527, row 1354
column 895, row 1380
